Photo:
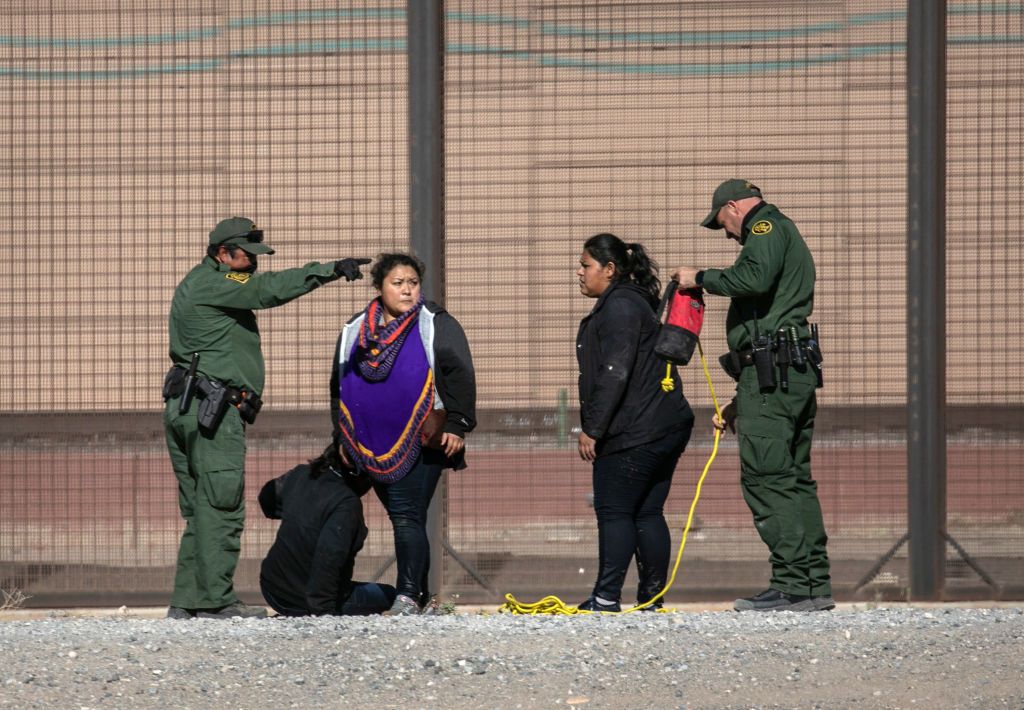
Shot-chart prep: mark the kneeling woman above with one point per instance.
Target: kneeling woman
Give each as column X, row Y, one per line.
column 403, row 398
column 632, row 430
column 308, row 569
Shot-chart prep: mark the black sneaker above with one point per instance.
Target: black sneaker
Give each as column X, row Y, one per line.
column 235, row 610
column 825, row 603
column 176, row 612
column 774, row 600
column 656, row 606
column 593, row 605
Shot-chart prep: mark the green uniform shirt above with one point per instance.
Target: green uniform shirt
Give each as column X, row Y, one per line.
column 212, row 314
column 771, row 281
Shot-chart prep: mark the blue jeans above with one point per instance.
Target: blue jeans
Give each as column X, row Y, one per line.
column 406, row 501
column 366, row 598
column 630, row 489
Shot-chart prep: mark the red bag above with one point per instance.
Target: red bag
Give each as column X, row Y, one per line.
column 681, row 329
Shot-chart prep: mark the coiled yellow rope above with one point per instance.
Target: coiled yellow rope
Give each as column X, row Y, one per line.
column 554, row 605
column 668, row 384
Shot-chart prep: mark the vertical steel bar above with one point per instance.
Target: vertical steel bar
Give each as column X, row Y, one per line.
column 425, row 44
column 926, row 305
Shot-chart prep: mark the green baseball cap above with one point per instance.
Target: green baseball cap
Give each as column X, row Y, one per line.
column 731, row 189
column 240, row 232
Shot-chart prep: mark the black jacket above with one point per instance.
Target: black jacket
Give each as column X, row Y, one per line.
column 622, row 403
column 310, row 564
column 454, row 377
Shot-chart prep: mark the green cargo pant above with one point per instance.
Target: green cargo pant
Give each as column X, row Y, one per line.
column 775, row 429
column 211, row 477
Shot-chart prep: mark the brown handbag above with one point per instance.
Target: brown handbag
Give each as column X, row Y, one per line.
column 433, row 428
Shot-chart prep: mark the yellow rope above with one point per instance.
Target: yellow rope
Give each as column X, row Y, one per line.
column 554, row 605
column 667, row 384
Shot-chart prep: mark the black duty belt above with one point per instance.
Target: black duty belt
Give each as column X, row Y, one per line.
column 249, row 403
column 782, row 353
column 735, row 360
column 744, row 358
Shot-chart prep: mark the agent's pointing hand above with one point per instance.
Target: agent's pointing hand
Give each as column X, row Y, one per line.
column 349, row 268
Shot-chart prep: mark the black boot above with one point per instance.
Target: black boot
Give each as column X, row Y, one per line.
column 774, row 600
column 176, row 612
column 233, row 611
column 593, row 605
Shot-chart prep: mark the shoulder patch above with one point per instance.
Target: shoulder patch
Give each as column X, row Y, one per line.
column 238, row 276
column 761, row 227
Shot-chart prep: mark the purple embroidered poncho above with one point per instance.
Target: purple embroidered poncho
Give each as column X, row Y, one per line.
column 387, row 390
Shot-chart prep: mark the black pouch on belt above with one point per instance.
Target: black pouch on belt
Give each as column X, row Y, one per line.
column 730, row 362
column 173, row 382
column 764, row 362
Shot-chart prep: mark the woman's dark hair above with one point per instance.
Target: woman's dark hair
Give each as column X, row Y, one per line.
column 631, row 262
column 328, row 460
column 386, row 262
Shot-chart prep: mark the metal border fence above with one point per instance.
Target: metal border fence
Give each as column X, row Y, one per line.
column 492, row 137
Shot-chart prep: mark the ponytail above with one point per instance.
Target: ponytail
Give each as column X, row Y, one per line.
column 644, row 271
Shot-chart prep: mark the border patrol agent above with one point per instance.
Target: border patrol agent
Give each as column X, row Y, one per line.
column 212, row 390
column 775, row 357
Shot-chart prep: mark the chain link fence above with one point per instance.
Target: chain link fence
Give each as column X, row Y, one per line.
column 130, row 131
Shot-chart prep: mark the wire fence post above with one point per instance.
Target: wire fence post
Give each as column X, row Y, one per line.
column 425, row 44
column 926, row 296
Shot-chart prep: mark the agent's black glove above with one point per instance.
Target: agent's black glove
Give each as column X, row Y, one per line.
column 349, row 268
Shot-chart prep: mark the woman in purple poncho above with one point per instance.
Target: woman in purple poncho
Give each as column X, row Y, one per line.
column 403, row 398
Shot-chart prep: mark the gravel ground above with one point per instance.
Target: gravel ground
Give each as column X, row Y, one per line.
column 941, row 657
